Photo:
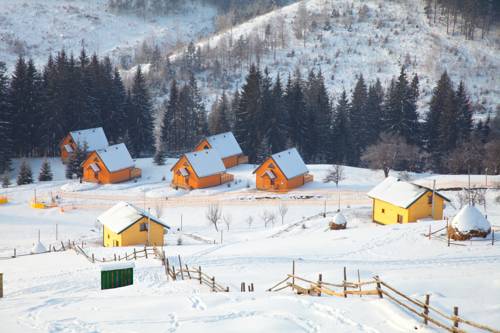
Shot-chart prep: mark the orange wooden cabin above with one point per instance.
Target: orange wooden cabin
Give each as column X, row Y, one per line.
column 282, row 172
column 227, row 146
column 111, row 165
column 200, row 169
column 94, row 138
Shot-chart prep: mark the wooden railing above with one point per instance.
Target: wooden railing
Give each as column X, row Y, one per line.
column 226, row 178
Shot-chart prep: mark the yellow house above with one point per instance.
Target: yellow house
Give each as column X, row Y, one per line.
column 126, row 225
column 396, row 201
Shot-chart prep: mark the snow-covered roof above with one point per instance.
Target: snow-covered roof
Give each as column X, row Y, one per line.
column 123, row 215
column 290, row 163
column 93, row 137
column 206, row 162
column 339, row 219
column 225, row 144
column 115, row 266
column 469, row 218
column 116, row 157
column 398, row 193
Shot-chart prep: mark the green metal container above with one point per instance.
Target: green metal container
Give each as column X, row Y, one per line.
column 115, row 276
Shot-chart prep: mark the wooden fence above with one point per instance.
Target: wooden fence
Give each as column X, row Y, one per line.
column 52, row 248
column 380, row 288
column 133, row 255
column 184, row 272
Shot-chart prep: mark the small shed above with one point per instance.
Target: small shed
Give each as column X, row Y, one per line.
column 339, row 222
column 125, row 224
column 227, row 146
column 200, row 169
column 469, row 223
column 282, row 172
column 117, row 275
column 94, row 138
column 113, row 164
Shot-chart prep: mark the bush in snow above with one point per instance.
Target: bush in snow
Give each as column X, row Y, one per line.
column 25, row 175
column 45, row 172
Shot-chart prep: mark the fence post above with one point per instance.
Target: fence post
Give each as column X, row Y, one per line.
column 293, row 272
column 448, row 239
column 119, row 258
column 62, row 244
column 115, row 256
column 180, row 267
column 379, row 287
column 1, row 285
column 167, row 268
column 14, row 252
column 426, row 308
column 187, row 270
column 243, row 287
column 199, row 273
column 345, row 282
column 135, row 254
column 455, row 314
column 492, row 237
column 213, row 283
column 93, row 259
column 320, row 279
column 430, row 229
column 173, row 273
column 359, row 284
column 146, row 251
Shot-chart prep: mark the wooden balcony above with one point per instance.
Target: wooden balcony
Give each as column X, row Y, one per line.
column 226, row 178
column 308, row 178
column 243, row 159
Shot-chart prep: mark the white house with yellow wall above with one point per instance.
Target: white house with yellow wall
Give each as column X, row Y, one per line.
column 396, row 201
column 126, row 225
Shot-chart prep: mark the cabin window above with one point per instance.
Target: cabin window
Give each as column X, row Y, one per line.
column 108, row 236
column 144, row 227
column 271, row 166
column 206, row 147
column 400, row 218
column 383, row 210
column 429, row 199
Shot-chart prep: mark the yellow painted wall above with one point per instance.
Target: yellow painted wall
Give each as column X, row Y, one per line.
column 386, row 213
column 134, row 236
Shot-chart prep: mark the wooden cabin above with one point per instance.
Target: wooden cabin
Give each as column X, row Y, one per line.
column 126, row 225
column 227, row 146
column 282, row 172
column 110, row 165
column 200, row 169
column 93, row 138
column 396, row 201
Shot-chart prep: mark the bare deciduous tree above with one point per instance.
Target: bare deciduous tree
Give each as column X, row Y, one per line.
column 336, row 175
column 158, row 209
column 390, row 152
column 268, row 217
column 282, row 210
column 227, row 219
column 473, row 196
column 213, row 215
column 301, row 22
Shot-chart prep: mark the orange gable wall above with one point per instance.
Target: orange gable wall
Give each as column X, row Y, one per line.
column 103, row 176
column 64, row 153
column 192, row 181
column 281, row 184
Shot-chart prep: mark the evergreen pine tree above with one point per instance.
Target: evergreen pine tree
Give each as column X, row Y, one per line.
column 198, row 113
column 5, row 123
column 278, row 119
column 5, row 180
column 464, row 114
column 25, row 175
column 159, row 157
column 218, row 121
column 76, row 158
column 140, row 118
column 357, row 119
column 374, row 112
column 250, row 104
column 341, row 142
column 45, row 172
column 296, row 111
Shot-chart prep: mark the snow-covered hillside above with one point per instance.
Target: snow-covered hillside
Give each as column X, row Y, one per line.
column 373, row 38
column 36, row 28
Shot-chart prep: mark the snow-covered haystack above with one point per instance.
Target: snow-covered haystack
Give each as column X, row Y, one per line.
column 38, row 248
column 468, row 223
column 339, row 222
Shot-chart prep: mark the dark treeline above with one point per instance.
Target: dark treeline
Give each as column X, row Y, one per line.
column 38, row 108
column 465, row 16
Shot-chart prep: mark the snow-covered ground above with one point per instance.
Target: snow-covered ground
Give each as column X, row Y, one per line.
column 60, row 292
column 37, row 28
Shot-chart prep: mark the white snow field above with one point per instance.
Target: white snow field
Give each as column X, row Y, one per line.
column 60, row 292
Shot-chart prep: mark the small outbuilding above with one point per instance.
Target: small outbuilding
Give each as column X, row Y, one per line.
column 396, row 201
column 200, row 169
column 227, row 146
column 126, row 225
column 282, row 172
column 110, row 165
column 93, row 138
column 117, row 275
column 469, row 223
